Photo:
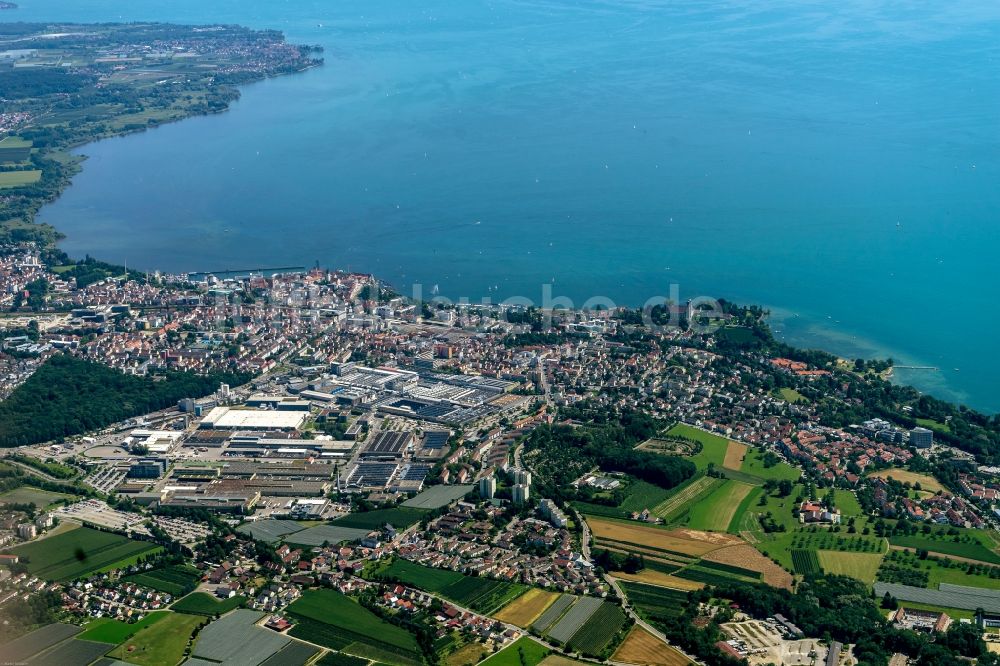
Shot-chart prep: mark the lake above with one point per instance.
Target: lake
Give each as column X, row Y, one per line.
column 837, row 162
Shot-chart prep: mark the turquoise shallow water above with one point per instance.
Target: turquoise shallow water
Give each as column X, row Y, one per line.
column 838, row 162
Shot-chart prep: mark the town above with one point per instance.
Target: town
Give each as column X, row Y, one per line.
column 334, row 473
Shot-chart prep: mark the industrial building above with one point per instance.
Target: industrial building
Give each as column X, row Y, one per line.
column 227, row 418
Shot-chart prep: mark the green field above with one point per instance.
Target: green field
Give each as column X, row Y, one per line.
column 19, row 178
column 599, row 630
column 174, row 580
column 399, row 517
column 848, row 504
column 753, row 465
column 426, row 578
column 790, row 395
column 974, row 546
column 80, row 552
column 29, row 495
column 484, row 595
column 522, row 652
column 641, row 495
column 329, row 618
column 931, row 424
column 907, row 568
column 108, row 630
column 716, row 511
column 654, row 601
column 779, row 547
column 862, row 566
column 200, row 603
column 686, row 495
column 744, row 517
column 713, row 447
column 805, row 562
column 161, row 643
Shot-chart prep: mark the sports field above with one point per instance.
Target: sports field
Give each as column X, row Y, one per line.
column 926, row 481
column 160, row 644
column 644, row 649
column 527, row 608
column 862, row 566
column 80, row 552
column 715, row 511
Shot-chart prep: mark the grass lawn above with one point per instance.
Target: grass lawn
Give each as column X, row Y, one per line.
column 160, row 644
column 931, row 424
column 715, row 512
column 969, row 544
column 779, row 547
column 753, row 464
column 19, row 178
column 684, row 496
column 926, row 481
column 108, row 630
column 861, row 566
column 713, row 447
column 790, row 395
column 29, row 495
column 938, row 574
column 200, row 603
column 641, row 495
column 741, row 520
column 848, row 504
column 522, row 652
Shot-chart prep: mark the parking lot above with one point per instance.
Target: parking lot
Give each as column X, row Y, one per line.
column 762, row 642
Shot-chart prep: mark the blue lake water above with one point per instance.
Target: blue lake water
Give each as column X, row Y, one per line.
column 838, row 162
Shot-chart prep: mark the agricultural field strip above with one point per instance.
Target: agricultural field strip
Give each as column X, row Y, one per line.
column 236, row 640
column 663, row 556
column 320, row 534
column 599, row 629
column 949, row 596
column 553, row 613
column 641, row 647
column 73, row 651
column 296, row 653
column 716, row 511
column 437, row 497
column 23, row 647
column 653, row 537
column 574, row 618
column 697, row 488
column 270, row 530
